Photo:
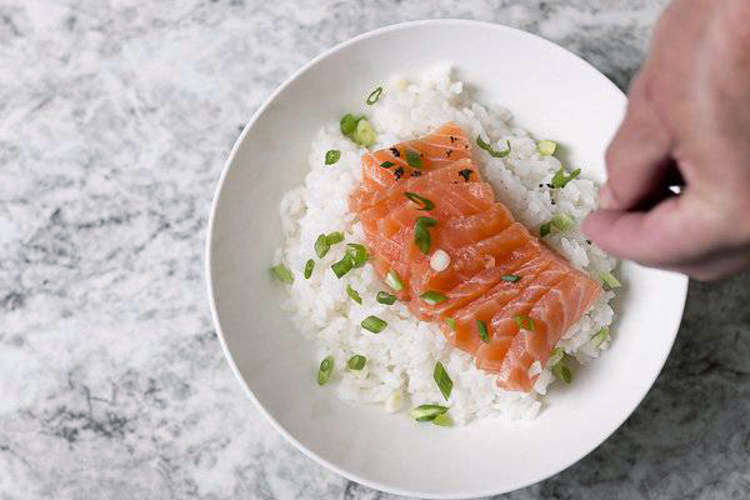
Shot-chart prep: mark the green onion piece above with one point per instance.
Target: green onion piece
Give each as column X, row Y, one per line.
column 374, row 96
column 348, row 124
column 413, row 158
column 562, row 372
column 512, row 278
column 309, row 266
column 422, row 202
column 546, row 148
column 393, row 280
column 343, row 266
column 353, row 294
column 443, row 420
column 563, row 222
column 451, row 323
column 601, row 336
column 422, row 235
column 443, row 380
column 425, row 413
column 610, row 281
column 545, row 229
column 358, row 254
column 494, row 153
column 356, row 362
column 322, row 246
column 325, row 371
column 524, row 322
column 373, row 324
column 483, row 333
column 282, row 273
column 561, row 179
column 334, row 237
column 433, row 298
column 557, row 355
column 387, row 164
column 332, row 156
column 385, row 298
column 364, row 135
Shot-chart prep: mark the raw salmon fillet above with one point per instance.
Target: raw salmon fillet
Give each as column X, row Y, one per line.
column 484, row 243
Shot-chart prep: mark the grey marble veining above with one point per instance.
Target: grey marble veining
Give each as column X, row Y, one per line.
column 115, row 119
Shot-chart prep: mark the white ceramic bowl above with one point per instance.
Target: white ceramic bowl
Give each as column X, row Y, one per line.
column 554, row 94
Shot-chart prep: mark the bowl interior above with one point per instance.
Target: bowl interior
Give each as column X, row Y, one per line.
column 552, row 93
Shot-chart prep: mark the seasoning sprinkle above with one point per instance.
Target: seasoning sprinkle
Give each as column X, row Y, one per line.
column 424, row 203
column 395, row 152
column 483, row 334
column 309, row 266
column 373, row 324
column 465, row 173
column 374, row 96
column 398, row 172
column 353, row 294
column 492, row 152
column 332, row 156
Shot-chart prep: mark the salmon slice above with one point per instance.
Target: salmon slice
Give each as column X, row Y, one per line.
column 499, row 274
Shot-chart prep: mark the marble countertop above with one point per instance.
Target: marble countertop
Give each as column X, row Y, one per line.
column 115, row 120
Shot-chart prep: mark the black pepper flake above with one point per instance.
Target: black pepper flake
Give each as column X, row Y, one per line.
column 448, row 153
column 465, row 173
column 398, row 172
column 453, row 139
column 588, row 241
column 541, row 185
column 395, row 152
column 466, row 146
column 553, row 202
column 550, row 186
column 416, row 173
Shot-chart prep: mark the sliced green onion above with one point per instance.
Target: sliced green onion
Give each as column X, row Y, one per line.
column 343, row 266
column 557, row 355
column 562, row 372
column 483, row 333
column 348, row 124
column 385, row 298
column 422, row 202
column 443, row 380
column 374, row 96
column 512, row 278
column 601, row 336
column 451, row 323
column 364, row 135
column 309, row 266
column 421, row 233
column 356, row 362
column 563, row 222
column 373, row 324
column 387, row 164
column 322, row 246
column 494, row 153
column 443, row 420
column 561, row 179
column 332, row 156
column 545, row 229
column 546, row 148
column 393, row 280
column 433, row 298
column 325, row 371
column 610, row 281
column 414, row 159
column 353, row 294
column 524, row 322
column 282, row 273
column 358, row 254
column 425, row 413
column 334, row 237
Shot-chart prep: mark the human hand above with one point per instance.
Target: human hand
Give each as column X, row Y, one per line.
column 687, row 122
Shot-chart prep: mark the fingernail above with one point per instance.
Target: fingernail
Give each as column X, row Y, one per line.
column 606, row 200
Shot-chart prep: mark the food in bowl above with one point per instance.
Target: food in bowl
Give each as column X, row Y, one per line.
column 435, row 255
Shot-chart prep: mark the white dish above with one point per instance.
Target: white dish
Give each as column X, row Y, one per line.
column 553, row 94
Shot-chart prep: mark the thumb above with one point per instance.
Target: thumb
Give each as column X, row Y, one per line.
column 638, row 159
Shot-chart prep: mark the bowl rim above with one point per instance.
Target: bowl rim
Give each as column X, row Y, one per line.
column 479, row 491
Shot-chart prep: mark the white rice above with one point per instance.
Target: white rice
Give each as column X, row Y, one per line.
column 402, row 357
